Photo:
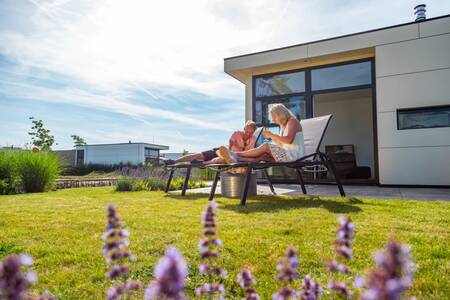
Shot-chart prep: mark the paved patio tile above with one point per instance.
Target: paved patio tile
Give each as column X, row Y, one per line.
column 377, row 192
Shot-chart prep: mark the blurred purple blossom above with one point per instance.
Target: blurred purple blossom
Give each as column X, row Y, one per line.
column 208, row 254
column 287, row 271
column 310, row 290
column 340, row 288
column 116, row 253
column 393, row 275
column 170, row 275
column 343, row 242
column 246, row 281
column 14, row 283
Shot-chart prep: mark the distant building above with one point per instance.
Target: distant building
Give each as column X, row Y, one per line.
column 109, row 154
column 171, row 155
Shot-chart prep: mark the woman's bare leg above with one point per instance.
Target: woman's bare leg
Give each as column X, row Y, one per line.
column 257, row 152
column 264, row 157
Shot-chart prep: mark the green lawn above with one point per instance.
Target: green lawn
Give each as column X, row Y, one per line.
column 62, row 231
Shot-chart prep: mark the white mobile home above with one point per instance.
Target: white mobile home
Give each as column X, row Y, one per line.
column 134, row 153
column 388, row 90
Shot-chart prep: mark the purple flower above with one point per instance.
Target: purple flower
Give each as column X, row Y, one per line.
column 14, row 283
column 288, row 272
column 346, row 234
column 335, row 267
column 116, row 253
column 208, row 253
column 285, row 293
column 340, row 288
column 246, row 281
column 170, row 274
column 393, row 275
column 310, row 290
column 288, row 267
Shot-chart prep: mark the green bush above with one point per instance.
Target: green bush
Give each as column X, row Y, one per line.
column 177, row 184
column 37, row 171
column 124, row 184
column 9, row 181
column 129, row 184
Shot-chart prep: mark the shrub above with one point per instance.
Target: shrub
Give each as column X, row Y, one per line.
column 37, row 171
column 9, row 183
column 124, row 184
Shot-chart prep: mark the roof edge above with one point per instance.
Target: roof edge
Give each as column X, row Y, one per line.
column 338, row 37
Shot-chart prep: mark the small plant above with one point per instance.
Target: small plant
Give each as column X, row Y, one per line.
column 246, row 281
column 124, row 184
column 117, row 256
column 208, row 254
column 343, row 249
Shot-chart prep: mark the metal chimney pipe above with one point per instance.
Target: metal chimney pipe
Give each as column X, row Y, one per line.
column 420, row 11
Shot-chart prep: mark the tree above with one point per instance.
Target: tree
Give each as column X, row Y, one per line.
column 77, row 140
column 41, row 137
column 185, row 152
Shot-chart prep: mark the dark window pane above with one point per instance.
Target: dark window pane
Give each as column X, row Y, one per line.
column 281, row 84
column 296, row 104
column 429, row 117
column 149, row 152
column 341, row 76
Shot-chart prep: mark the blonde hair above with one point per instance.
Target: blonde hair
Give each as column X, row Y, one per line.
column 251, row 124
column 282, row 112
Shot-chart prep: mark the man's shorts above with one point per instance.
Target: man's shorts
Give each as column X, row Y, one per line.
column 210, row 154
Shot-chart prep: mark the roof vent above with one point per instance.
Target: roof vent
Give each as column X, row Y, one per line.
column 420, row 11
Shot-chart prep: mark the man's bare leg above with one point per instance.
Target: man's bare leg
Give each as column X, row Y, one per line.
column 190, row 157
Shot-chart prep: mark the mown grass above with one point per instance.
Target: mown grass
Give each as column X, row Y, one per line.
column 62, row 231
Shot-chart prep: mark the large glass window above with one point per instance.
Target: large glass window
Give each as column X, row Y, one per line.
column 281, row 84
column 149, row 152
column 296, row 104
column 427, row 117
column 341, row 76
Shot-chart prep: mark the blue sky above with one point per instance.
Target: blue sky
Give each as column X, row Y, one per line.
column 152, row 71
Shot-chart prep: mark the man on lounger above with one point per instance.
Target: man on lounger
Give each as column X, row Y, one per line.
column 239, row 141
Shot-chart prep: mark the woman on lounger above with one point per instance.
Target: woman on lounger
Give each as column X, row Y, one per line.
column 289, row 145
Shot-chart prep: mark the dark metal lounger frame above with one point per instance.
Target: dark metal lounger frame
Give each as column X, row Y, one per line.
column 317, row 158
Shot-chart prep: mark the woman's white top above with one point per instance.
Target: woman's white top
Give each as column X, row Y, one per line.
column 296, row 149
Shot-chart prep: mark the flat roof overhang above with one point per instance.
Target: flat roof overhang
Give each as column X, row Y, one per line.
column 337, row 49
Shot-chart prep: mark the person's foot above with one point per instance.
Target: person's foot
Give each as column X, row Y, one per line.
column 227, row 155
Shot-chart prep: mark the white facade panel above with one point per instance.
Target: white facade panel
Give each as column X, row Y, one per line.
column 413, row 56
column 429, row 88
column 389, row 136
column 364, row 40
column 434, row 27
column 113, row 154
column 415, row 166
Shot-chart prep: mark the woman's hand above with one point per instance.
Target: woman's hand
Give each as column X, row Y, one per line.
column 268, row 134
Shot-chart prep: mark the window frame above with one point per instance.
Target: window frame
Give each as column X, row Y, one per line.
column 308, row 94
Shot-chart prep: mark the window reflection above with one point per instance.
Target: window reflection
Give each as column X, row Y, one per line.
column 424, row 118
column 341, row 76
column 281, row 84
column 296, row 104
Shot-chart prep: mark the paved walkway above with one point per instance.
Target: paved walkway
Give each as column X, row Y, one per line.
column 377, row 192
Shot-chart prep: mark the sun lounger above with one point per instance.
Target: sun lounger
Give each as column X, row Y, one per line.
column 313, row 131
